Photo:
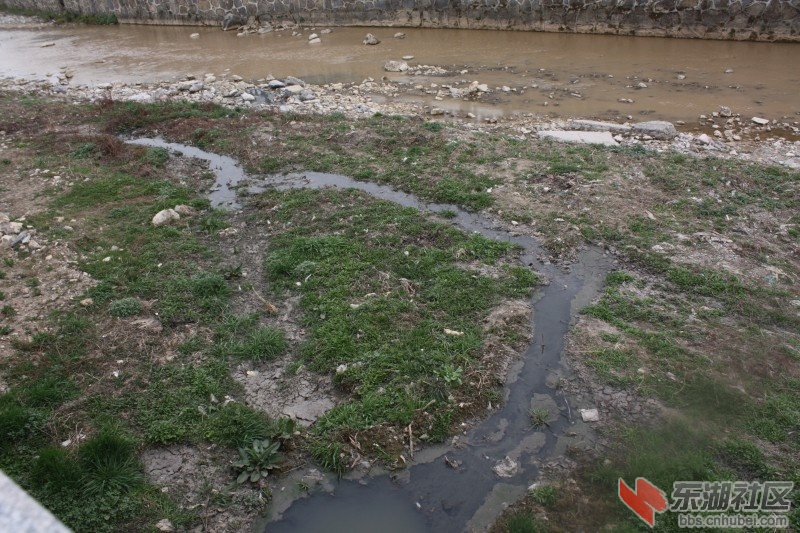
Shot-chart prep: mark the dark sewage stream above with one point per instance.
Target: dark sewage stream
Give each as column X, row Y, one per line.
column 500, row 457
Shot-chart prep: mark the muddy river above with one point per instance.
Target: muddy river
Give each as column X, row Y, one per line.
column 557, row 75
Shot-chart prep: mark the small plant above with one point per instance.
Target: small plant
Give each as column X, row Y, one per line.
column 451, row 375
column 256, row 461
column 33, row 283
column 84, row 151
column 125, row 307
column 545, row 495
column 448, row 213
column 2, row 296
column 330, row 456
column 108, row 463
column 156, row 156
column 540, row 417
column 9, row 262
column 5, row 330
column 8, row 311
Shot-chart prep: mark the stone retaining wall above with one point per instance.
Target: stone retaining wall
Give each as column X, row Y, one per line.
column 764, row 20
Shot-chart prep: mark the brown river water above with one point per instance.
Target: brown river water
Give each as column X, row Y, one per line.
column 576, row 75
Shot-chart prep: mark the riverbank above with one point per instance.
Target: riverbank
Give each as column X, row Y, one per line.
column 699, row 316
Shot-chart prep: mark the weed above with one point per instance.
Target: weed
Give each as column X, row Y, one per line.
column 157, row 157
column 523, row 523
column 236, row 424
column 8, row 311
column 108, row 464
column 257, row 460
column 56, row 469
column 330, row 456
column 540, row 417
column 546, row 495
column 125, row 307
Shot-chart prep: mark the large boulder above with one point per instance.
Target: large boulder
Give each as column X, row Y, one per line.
column 658, row 129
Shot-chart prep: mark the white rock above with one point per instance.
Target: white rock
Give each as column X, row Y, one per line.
column 590, row 415
column 194, row 36
column 315, row 41
column 395, row 66
column 247, row 97
column 165, row 525
column 506, row 468
column 760, row 121
column 313, row 36
column 165, row 217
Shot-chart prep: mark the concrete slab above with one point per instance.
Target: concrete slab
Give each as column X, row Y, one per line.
column 596, row 125
column 580, row 137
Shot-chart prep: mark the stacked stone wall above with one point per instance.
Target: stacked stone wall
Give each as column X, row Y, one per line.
column 763, row 20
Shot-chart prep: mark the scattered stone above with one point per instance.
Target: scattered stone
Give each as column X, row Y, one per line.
column 728, row 71
column 506, row 468
column 165, row 525
column 658, row 129
column 371, row 40
column 399, row 35
column 291, row 80
column 760, row 121
column 194, row 36
column 47, row 45
column 86, row 302
column 641, row 85
column 165, row 217
column 395, row 66
column 183, row 210
column 436, row 111
column 276, row 84
column 313, row 36
column 590, row 415
column 681, row 76
column 453, row 332
column 408, row 58
column 247, row 97
column 725, row 111
column 316, row 40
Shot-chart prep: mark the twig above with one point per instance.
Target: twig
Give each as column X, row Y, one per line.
column 271, row 308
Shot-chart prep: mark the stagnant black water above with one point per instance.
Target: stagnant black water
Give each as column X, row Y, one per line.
column 432, row 495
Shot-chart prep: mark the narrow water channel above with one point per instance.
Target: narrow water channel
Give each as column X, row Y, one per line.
column 432, row 495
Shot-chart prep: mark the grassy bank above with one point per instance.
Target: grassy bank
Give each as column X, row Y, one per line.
column 139, row 364
column 381, row 309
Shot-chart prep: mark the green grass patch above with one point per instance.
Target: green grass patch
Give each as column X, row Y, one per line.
column 377, row 303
